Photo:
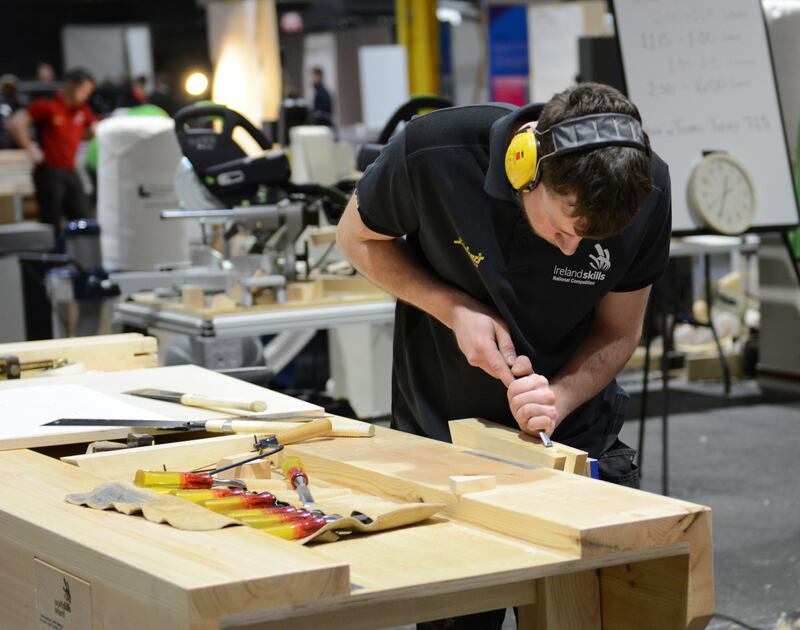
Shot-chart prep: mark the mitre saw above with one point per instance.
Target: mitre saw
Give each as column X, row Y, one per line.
column 217, row 180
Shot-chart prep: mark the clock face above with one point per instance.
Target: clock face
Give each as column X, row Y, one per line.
column 722, row 193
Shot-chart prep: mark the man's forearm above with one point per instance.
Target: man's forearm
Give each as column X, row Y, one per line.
column 482, row 336
column 391, row 265
column 596, row 362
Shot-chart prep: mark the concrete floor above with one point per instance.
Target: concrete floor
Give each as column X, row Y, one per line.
column 736, row 455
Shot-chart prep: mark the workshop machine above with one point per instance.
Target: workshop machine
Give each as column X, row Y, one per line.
column 412, row 108
column 252, row 218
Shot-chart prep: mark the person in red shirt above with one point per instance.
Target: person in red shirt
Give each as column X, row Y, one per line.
column 61, row 123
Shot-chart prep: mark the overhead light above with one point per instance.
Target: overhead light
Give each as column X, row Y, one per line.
column 291, row 22
column 196, row 84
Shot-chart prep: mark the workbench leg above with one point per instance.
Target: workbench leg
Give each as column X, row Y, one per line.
column 564, row 602
column 652, row 594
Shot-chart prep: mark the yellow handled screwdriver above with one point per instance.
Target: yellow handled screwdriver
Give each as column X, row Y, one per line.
column 295, row 530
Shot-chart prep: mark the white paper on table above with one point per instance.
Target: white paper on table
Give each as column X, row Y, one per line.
column 23, row 410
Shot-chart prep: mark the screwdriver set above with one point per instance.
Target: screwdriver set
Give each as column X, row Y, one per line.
column 260, row 510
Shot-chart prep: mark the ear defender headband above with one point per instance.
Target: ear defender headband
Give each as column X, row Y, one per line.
column 523, row 156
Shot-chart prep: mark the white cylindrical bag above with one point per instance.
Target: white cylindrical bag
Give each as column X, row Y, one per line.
column 137, row 159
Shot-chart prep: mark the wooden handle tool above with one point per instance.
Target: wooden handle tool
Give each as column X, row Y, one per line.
column 315, row 428
column 342, row 427
column 210, row 402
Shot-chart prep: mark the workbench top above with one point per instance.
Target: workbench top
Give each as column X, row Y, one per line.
column 571, row 551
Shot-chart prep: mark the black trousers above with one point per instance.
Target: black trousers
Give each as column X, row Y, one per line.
column 59, row 193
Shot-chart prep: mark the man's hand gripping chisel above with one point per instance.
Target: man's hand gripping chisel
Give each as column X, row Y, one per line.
column 522, row 368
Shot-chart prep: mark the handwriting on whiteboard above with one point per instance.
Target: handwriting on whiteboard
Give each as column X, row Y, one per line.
column 700, row 72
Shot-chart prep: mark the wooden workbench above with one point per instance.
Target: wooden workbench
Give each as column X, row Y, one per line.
column 333, row 291
column 570, row 551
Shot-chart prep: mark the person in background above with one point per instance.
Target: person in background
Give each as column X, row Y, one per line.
column 322, row 106
column 61, row 122
column 45, row 72
column 139, row 90
column 9, row 103
column 162, row 95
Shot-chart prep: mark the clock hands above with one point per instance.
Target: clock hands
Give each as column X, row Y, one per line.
column 725, row 190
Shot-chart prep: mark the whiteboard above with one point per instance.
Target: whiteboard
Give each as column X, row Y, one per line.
column 701, row 75
column 553, row 30
column 383, row 73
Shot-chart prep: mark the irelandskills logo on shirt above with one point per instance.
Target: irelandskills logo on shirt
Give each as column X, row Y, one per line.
column 599, row 263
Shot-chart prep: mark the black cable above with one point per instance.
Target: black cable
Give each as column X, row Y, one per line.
column 737, row 622
column 322, row 258
column 272, row 451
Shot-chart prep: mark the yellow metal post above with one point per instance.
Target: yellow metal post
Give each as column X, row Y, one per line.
column 418, row 31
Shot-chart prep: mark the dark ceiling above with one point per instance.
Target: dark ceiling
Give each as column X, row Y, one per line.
column 31, row 29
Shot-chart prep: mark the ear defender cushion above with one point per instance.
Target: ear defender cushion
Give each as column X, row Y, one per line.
column 521, row 157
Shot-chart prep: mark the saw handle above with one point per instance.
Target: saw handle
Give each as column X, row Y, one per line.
column 316, row 428
column 210, row 402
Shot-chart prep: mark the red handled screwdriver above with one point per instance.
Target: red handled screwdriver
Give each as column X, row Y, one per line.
column 241, row 502
column 173, row 480
column 199, row 496
column 296, row 530
column 296, row 475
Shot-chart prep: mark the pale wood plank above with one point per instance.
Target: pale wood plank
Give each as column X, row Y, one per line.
column 362, row 613
column 195, row 574
column 547, row 507
column 512, row 444
column 702, row 604
column 586, row 523
column 563, row 512
column 652, row 594
column 102, row 352
column 564, row 602
column 335, row 291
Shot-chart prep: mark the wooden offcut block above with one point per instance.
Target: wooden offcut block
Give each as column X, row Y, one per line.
column 236, row 293
column 465, row 484
column 304, row 291
column 221, row 302
column 193, row 297
column 323, row 235
column 259, row 469
column 265, row 297
column 514, row 445
column 109, row 353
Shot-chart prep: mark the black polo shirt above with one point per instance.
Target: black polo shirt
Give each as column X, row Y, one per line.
column 441, row 183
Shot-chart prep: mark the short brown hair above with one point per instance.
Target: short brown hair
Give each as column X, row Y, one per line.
column 610, row 183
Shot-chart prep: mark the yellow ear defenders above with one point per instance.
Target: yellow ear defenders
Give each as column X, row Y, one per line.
column 523, row 156
column 522, row 160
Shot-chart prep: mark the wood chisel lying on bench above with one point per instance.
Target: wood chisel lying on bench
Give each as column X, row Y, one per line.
column 199, row 400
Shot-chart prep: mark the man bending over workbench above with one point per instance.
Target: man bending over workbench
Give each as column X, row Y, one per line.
column 532, row 237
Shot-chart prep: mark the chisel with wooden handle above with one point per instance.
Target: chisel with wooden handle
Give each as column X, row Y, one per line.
column 200, row 400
